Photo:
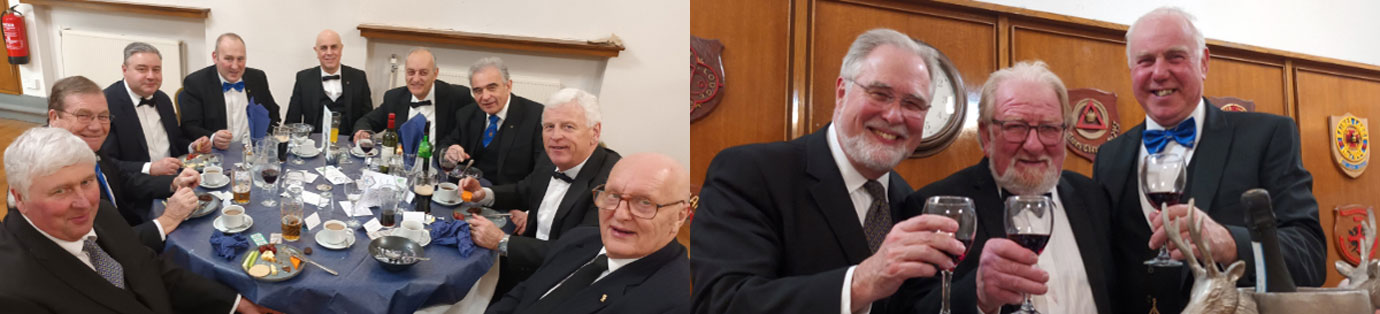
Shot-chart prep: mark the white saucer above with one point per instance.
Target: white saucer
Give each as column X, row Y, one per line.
column 348, row 242
column 360, row 153
column 210, row 185
column 220, row 224
column 314, row 152
column 439, row 201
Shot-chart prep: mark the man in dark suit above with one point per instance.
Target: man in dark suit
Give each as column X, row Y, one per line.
column 77, row 105
column 424, row 95
column 1023, row 113
column 332, row 85
column 503, row 132
column 1227, row 153
column 149, row 139
column 631, row 263
column 806, row 226
column 66, row 251
column 553, row 199
column 215, row 99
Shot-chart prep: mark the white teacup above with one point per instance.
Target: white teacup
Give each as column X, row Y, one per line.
column 214, row 175
column 447, row 193
column 412, row 230
column 232, row 216
column 334, row 232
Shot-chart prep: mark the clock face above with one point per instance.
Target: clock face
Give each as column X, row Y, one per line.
column 948, row 106
column 942, row 107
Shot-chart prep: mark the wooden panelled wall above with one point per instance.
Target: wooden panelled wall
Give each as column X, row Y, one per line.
column 781, row 60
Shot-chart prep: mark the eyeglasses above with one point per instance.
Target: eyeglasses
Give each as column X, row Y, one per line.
column 880, row 94
column 641, row 206
column 1018, row 131
column 86, row 117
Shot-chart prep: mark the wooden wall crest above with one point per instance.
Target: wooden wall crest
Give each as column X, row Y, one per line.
column 706, row 76
column 1350, row 141
column 1347, row 224
column 1232, row 104
column 1095, row 121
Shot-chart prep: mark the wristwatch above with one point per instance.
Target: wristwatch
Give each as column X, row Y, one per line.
column 503, row 245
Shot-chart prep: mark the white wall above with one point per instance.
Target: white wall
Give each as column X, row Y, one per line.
column 1341, row 29
column 642, row 90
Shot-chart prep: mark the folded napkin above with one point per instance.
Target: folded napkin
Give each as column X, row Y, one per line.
column 457, row 233
column 229, row 245
column 411, row 133
column 258, row 120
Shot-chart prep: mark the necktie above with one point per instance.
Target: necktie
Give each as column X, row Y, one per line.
column 577, row 281
column 238, row 86
column 145, row 102
column 105, row 187
column 878, row 221
column 562, row 176
column 330, row 77
column 491, row 130
column 1184, row 133
column 416, row 104
column 105, row 265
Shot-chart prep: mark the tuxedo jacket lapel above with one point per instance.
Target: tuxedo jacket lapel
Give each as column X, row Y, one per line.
column 538, row 184
column 560, row 268
column 62, row 264
column 831, row 198
column 578, row 189
column 1123, row 152
column 615, row 285
column 215, row 98
column 131, row 139
column 505, row 136
column 1209, row 158
column 991, row 210
column 1081, row 221
column 474, row 132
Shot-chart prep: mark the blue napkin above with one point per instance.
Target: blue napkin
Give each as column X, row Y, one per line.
column 411, row 133
column 258, row 120
column 229, row 245
column 457, row 233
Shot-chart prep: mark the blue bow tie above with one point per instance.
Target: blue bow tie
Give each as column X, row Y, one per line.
column 238, row 86
column 1155, row 140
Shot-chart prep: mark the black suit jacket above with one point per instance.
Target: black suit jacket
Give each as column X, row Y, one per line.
column 657, row 283
column 135, row 194
column 41, row 277
column 525, row 252
column 1084, row 203
column 516, row 147
column 776, row 230
column 305, row 105
column 126, row 142
column 1237, row 151
column 447, row 100
column 203, row 102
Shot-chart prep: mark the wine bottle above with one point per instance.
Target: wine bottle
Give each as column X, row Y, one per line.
column 390, row 143
column 424, row 149
column 1271, row 273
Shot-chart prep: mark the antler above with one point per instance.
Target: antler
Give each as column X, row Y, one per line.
column 1189, row 257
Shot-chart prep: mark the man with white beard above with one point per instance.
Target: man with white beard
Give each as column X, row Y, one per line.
column 813, row 225
column 1023, row 113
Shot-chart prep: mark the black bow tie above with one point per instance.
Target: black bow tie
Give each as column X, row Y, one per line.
column 144, row 102
column 330, row 77
column 416, row 104
column 562, row 177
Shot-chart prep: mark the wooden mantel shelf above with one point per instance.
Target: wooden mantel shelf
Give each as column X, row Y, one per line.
column 115, row 6
column 546, row 45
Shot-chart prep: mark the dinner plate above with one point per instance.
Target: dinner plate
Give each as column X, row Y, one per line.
column 206, row 207
column 350, row 240
column 283, row 259
column 220, row 225
column 491, row 214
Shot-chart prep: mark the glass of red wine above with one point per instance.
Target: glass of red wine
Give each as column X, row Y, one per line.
column 962, row 210
column 269, row 170
column 1029, row 222
column 1162, row 179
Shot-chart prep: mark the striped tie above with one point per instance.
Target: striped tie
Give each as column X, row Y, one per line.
column 878, row 221
column 106, row 266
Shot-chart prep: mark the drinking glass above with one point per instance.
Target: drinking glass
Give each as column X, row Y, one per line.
column 1162, row 179
column 445, row 164
column 269, row 170
column 282, row 135
column 366, row 145
column 962, row 210
column 335, row 126
column 1029, row 222
column 388, row 205
column 292, row 214
column 299, row 132
column 242, row 183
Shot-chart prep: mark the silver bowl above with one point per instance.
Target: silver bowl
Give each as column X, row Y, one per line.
column 395, row 253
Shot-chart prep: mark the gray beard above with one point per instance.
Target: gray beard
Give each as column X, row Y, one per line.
column 870, row 155
column 1024, row 185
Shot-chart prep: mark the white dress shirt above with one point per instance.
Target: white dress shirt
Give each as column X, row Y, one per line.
column 550, row 202
column 155, row 137
column 614, row 265
column 862, row 201
column 1172, row 147
column 332, row 87
column 1069, row 290
column 428, row 111
column 236, row 117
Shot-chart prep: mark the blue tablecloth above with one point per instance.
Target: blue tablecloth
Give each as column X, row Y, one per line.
column 362, row 286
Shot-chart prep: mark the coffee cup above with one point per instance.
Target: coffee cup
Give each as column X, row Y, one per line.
column 412, row 230
column 334, row 232
column 232, row 216
column 214, row 175
column 447, row 192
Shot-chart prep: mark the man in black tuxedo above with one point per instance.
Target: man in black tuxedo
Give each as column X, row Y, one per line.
column 631, row 263
column 149, row 139
column 66, row 251
column 332, row 85
column 806, row 226
column 1227, row 153
column 553, row 199
column 1022, row 116
column 424, row 95
column 77, row 105
column 214, row 99
column 503, row 132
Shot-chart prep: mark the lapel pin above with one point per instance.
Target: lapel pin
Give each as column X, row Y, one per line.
column 605, row 297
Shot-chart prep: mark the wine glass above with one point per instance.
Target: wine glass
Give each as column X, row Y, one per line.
column 1029, row 222
column 446, row 164
column 365, row 144
column 1162, row 179
column 960, row 209
column 270, row 169
column 299, row 133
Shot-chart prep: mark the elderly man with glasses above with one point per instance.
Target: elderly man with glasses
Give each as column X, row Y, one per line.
column 632, row 262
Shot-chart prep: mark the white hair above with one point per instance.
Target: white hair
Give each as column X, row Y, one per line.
column 487, row 62
column 1024, row 71
column 40, row 152
column 870, row 40
column 1186, row 21
column 587, row 101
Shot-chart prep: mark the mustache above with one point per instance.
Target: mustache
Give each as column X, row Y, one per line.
column 894, row 128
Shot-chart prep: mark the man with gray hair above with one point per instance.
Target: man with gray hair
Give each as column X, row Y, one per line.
column 150, row 138
column 215, row 100
column 424, row 96
column 1227, row 153
column 806, row 226
column 503, row 133
column 552, row 199
column 329, row 87
column 66, row 251
column 1022, row 116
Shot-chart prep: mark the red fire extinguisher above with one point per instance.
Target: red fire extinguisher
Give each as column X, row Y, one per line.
column 16, row 37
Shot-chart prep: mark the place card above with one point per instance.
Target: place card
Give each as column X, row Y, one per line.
column 258, row 239
column 313, row 220
column 308, row 176
column 414, row 216
column 334, row 175
column 311, row 198
column 372, row 226
column 275, row 238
